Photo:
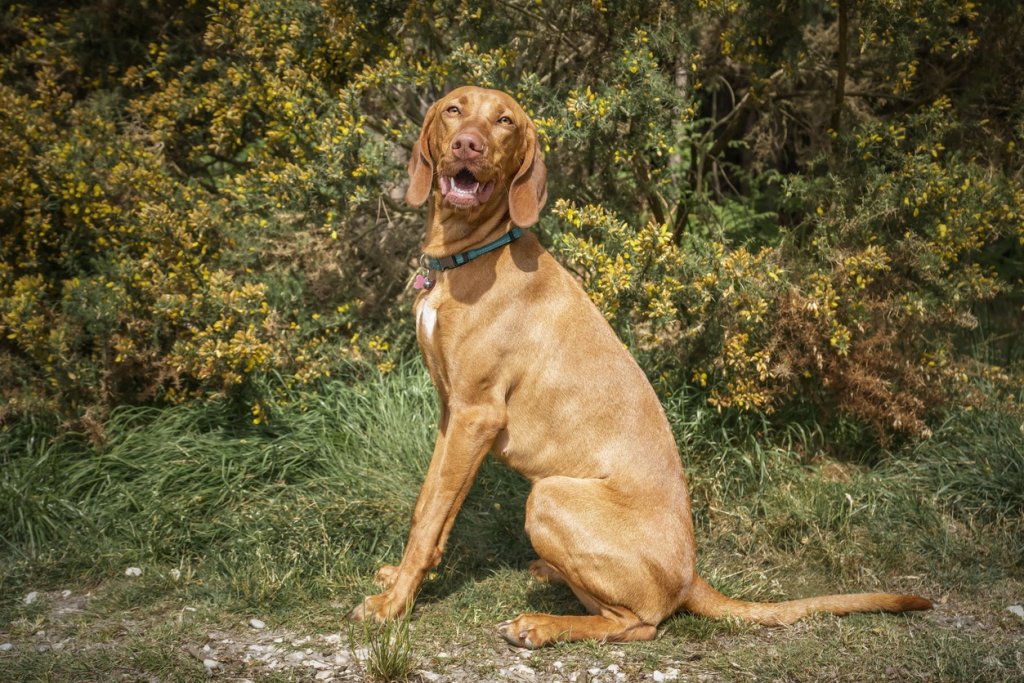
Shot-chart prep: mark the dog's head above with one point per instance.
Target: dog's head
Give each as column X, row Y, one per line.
column 478, row 152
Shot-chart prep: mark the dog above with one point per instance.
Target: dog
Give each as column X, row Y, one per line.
column 527, row 368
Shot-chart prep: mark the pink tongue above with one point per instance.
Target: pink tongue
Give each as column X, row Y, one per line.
column 484, row 193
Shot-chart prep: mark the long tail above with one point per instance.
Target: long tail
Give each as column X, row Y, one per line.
column 706, row 601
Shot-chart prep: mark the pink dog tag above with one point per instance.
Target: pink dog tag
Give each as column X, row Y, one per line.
column 422, row 282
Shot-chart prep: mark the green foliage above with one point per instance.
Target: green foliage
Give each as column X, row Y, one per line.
column 307, row 510
column 792, row 208
column 171, row 230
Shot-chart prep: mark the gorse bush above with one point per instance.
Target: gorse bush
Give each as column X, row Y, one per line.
column 810, row 206
column 172, row 217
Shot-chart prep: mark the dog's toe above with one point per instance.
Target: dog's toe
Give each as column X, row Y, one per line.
column 386, row 576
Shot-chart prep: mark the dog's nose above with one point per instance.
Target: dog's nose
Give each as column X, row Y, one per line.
column 468, row 146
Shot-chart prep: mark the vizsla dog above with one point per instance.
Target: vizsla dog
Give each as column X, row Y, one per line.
column 527, row 368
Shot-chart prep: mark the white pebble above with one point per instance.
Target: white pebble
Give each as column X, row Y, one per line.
column 65, row 594
column 658, row 677
column 613, row 668
column 1017, row 609
column 31, row 597
column 257, row 624
column 324, row 675
column 557, row 665
column 133, row 571
column 6, row 646
column 332, row 638
column 211, row 664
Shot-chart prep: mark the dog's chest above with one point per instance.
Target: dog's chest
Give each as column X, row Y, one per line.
column 428, row 335
column 426, row 318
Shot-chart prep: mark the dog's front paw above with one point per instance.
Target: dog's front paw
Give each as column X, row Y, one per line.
column 379, row 608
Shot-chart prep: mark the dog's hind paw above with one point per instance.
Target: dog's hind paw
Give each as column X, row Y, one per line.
column 515, row 634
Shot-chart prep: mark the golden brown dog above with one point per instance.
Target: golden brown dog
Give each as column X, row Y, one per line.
column 527, row 368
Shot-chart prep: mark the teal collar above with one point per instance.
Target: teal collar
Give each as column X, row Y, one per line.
column 456, row 260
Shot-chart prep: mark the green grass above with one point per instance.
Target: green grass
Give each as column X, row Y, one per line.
column 289, row 521
column 388, row 648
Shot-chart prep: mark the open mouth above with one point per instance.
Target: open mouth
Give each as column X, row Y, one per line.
column 464, row 190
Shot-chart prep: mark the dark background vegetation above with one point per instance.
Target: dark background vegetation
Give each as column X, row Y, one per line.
column 812, row 207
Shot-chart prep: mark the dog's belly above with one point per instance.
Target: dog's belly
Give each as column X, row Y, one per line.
column 532, row 460
column 538, row 449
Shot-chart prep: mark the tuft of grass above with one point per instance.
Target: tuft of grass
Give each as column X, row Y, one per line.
column 388, row 648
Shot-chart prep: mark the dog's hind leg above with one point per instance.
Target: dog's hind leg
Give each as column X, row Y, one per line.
column 537, row 630
column 623, row 566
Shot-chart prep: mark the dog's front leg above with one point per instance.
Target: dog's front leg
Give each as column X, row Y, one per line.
column 465, row 436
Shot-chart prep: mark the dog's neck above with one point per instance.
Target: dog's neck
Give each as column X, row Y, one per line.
column 450, row 231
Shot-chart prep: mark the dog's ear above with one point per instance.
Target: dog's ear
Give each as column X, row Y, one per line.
column 529, row 189
column 421, row 166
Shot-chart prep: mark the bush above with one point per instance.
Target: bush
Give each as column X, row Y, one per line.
column 810, row 206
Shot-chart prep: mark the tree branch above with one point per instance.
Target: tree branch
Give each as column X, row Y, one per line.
column 844, row 50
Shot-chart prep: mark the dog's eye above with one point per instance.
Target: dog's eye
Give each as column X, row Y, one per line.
column 453, row 110
column 505, row 120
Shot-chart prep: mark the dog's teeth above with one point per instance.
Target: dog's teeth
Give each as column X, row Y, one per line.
column 476, row 186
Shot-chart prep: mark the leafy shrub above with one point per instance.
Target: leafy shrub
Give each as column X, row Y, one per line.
column 173, row 232
column 805, row 205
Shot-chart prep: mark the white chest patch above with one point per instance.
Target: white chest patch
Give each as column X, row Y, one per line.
column 426, row 319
